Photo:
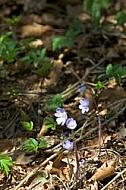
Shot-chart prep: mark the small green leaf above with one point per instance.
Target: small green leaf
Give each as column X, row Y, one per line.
column 31, row 144
column 27, row 125
column 43, row 70
column 24, row 116
column 55, row 102
column 99, row 85
column 42, row 144
column 109, row 69
column 50, row 123
column 5, row 163
column 121, row 18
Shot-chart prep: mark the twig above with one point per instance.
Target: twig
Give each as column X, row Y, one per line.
column 120, row 173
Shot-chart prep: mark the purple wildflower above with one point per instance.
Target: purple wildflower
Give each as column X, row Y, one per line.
column 84, row 105
column 71, row 123
column 61, row 116
column 82, row 87
column 68, row 145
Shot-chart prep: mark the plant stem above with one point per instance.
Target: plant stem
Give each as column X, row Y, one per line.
column 76, row 156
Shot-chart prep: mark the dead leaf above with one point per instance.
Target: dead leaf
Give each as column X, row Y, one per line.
column 34, row 30
column 121, row 133
column 106, row 170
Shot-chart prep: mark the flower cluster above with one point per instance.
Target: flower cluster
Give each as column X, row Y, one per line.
column 62, row 119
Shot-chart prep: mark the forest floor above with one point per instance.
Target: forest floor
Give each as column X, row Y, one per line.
column 100, row 133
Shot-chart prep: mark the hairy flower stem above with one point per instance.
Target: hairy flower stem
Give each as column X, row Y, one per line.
column 76, row 156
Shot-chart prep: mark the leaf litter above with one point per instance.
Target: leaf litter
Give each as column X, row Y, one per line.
column 51, row 167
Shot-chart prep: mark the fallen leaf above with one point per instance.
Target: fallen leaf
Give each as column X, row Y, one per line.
column 106, row 170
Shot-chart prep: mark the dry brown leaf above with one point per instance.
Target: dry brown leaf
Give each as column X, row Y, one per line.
column 34, row 30
column 121, row 133
column 112, row 94
column 58, row 163
column 106, row 170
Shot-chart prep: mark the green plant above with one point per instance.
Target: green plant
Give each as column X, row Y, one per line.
column 28, row 125
column 13, row 21
column 116, row 71
column 121, row 18
column 95, row 7
column 50, row 123
column 43, row 71
column 33, row 144
column 36, row 57
column 9, row 48
column 99, row 86
column 55, row 102
column 10, row 93
column 67, row 40
column 5, row 164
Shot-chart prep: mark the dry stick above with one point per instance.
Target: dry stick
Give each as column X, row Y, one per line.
column 120, row 173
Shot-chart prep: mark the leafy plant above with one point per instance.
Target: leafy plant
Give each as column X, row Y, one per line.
column 67, row 40
column 5, row 164
column 33, row 144
column 28, row 125
column 43, row 71
column 121, row 18
column 36, row 57
column 99, row 85
column 13, row 21
column 10, row 93
column 55, row 102
column 9, row 48
column 50, row 123
column 116, row 71
column 95, row 7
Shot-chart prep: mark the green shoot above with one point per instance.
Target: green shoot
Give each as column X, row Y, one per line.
column 13, row 21
column 55, row 102
column 121, row 18
column 99, row 86
column 43, row 71
column 50, row 123
column 36, row 57
column 9, row 49
column 116, row 71
column 95, row 7
column 67, row 40
column 33, row 144
column 5, row 164
column 27, row 125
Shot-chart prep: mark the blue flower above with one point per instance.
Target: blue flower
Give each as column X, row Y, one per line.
column 71, row 123
column 68, row 145
column 84, row 105
column 61, row 116
column 82, row 87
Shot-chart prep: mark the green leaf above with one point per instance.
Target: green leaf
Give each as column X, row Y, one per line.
column 121, row 18
column 5, row 163
column 55, row 102
column 42, row 144
column 99, row 85
column 50, row 123
column 24, row 116
column 31, row 144
column 58, row 43
column 109, row 69
column 27, row 125
column 43, row 71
